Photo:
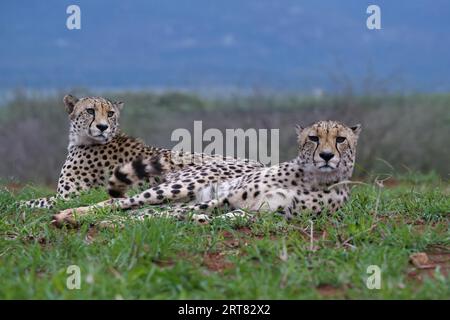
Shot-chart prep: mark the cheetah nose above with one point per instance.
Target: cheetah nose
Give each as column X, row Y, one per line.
column 102, row 127
column 327, row 156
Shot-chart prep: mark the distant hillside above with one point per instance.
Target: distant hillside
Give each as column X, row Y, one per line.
column 279, row 44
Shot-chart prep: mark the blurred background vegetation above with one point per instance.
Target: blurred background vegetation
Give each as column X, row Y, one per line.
column 401, row 133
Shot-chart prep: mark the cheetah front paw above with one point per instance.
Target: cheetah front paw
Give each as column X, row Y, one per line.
column 64, row 217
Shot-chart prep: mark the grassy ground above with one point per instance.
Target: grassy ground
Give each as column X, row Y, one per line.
column 268, row 259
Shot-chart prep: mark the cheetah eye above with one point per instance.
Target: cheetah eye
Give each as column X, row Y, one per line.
column 313, row 138
column 110, row 114
column 340, row 139
column 90, row 111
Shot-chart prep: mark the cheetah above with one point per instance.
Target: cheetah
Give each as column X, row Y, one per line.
column 98, row 152
column 314, row 181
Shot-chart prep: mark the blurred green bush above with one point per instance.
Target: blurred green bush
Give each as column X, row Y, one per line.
column 400, row 132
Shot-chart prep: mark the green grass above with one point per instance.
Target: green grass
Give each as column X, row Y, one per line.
column 268, row 259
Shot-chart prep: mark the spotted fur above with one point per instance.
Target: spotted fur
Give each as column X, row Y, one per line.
column 97, row 149
column 309, row 182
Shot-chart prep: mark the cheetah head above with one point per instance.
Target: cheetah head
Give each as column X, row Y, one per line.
column 328, row 149
column 93, row 120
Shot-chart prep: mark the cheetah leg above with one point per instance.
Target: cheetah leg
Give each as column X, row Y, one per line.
column 179, row 213
column 183, row 213
column 164, row 212
column 234, row 215
column 156, row 195
column 67, row 216
column 191, row 211
column 149, row 213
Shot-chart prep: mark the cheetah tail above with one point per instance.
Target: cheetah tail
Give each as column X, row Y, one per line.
column 130, row 174
column 42, row 203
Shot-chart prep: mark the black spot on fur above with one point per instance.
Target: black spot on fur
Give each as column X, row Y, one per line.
column 114, row 193
column 156, row 166
column 122, row 176
column 139, row 168
column 244, row 195
column 282, row 195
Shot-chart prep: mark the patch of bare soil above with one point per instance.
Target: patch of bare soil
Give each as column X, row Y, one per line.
column 169, row 262
column 391, row 183
column 241, row 238
column 328, row 291
column 14, row 187
column 439, row 227
column 216, row 262
column 246, row 231
column 243, row 230
column 425, row 264
column 234, row 241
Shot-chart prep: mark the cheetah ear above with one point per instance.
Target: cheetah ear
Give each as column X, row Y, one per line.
column 69, row 102
column 356, row 129
column 119, row 105
column 298, row 129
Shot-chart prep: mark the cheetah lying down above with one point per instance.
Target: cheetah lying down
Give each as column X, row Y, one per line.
column 312, row 181
column 98, row 151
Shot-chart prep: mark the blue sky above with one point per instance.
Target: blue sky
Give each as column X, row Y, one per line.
column 202, row 44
